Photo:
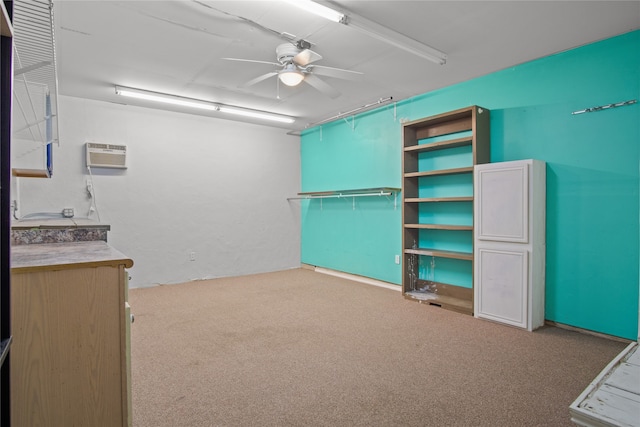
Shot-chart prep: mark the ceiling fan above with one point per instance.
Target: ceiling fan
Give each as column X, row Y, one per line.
column 295, row 65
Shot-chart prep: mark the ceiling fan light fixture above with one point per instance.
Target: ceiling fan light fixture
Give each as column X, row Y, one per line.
column 290, row 76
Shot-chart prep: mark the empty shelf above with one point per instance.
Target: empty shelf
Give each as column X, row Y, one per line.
column 441, row 254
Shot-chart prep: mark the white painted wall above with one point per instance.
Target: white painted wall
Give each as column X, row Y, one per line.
column 215, row 187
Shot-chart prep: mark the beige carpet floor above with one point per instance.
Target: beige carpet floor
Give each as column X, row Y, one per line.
column 299, row 348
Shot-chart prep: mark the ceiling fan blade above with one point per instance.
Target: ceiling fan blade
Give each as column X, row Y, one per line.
column 260, row 78
column 336, row 72
column 320, row 85
column 252, row 60
column 306, row 57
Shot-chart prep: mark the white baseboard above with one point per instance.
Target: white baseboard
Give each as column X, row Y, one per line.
column 586, row 331
column 356, row 278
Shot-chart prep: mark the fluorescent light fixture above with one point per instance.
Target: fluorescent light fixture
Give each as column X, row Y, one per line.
column 201, row 105
column 165, row 98
column 290, row 75
column 318, row 9
column 255, row 114
column 387, row 35
column 373, row 29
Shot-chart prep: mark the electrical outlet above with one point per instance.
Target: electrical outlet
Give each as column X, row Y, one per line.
column 67, row 212
column 397, row 259
column 192, row 256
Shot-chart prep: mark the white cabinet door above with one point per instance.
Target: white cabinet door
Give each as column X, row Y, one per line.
column 501, row 294
column 502, row 197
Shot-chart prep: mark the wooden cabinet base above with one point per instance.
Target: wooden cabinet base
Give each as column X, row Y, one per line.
column 69, row 354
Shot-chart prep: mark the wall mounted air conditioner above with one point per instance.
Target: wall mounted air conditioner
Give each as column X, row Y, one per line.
column 106, row 155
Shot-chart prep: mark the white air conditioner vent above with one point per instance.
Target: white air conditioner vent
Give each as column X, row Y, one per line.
column 106, row 155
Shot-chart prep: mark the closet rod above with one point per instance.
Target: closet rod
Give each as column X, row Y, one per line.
column 355, row 110
column 342, row 196
column 341, row 115
column 605, row 107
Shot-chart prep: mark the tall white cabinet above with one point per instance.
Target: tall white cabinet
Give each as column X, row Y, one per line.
column 509, row 242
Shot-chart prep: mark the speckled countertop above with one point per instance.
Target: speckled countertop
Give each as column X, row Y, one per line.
column 61, row 256
column 27, row 224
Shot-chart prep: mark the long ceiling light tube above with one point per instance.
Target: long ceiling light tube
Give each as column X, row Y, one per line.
column 318, row 9
column 387, row 35
column 373, row 29
column 200, row 104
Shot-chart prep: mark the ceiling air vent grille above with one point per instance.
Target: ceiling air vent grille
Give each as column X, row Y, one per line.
column 106, row 155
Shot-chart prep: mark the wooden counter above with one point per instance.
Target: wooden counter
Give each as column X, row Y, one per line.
column 70, row 321
column 60, row 256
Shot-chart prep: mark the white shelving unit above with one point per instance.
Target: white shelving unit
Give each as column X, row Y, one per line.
column 35, row 89
column 509, row 242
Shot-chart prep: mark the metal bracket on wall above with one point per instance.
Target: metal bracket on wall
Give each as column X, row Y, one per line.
column 605, row 107
column 352, row 112
column 353, row 122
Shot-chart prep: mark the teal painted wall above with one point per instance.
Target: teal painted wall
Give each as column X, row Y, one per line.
column 363, row 153
column 592, row 264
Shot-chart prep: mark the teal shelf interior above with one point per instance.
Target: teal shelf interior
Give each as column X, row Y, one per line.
column 447, row 137
column 444, row 270
column 458, row 185
column 451, row 213
column 450, row 158
column 446, row 240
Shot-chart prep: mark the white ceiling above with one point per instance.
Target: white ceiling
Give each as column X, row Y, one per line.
column 177, row 47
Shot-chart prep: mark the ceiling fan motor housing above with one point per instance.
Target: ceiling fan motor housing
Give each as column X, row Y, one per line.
column 285, row 53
